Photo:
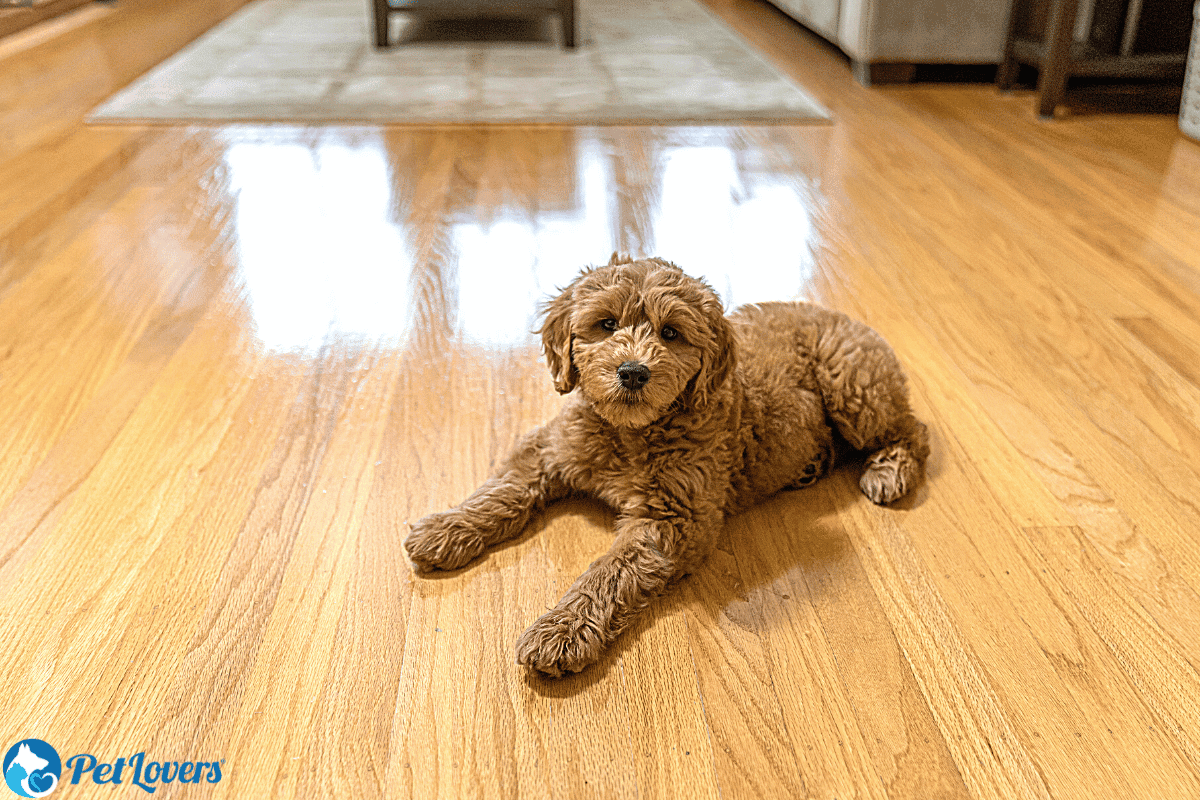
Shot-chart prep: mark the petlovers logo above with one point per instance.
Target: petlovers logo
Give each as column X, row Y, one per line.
column 32, row 768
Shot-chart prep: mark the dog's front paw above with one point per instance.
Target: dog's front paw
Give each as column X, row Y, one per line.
column 560, row 641
column 446, row 540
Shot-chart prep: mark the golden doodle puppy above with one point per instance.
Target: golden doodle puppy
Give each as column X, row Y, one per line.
column 680, row 417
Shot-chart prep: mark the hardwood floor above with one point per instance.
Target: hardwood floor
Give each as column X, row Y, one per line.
column 234, row 360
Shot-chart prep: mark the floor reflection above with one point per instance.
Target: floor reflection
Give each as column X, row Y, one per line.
column 505, row 269
column 333, row 244
column 319, row 256
column 751, row 241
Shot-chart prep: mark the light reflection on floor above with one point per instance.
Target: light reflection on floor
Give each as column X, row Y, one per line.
column 322, row 255
column 507, row 268
column 319, row 255
column 752, row 243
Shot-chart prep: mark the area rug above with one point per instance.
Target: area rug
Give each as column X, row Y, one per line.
column 662, row 61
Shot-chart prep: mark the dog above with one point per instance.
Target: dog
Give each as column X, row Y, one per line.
column 679, row 417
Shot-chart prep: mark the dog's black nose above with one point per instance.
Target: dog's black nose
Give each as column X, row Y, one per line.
column 633, row 375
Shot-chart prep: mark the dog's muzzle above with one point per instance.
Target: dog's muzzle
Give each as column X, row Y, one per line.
column 633, row 375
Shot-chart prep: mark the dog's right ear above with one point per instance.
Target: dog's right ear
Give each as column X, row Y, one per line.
column 557, row 340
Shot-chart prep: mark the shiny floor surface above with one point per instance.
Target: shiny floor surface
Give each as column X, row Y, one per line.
column 234, row 360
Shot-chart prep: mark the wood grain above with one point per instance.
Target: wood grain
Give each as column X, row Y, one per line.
column 234, row 360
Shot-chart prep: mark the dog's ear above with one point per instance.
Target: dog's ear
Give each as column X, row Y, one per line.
column 557, row 339
column 718, row 361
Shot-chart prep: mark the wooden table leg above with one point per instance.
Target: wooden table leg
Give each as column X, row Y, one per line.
column 567, row 12
column 381, row 23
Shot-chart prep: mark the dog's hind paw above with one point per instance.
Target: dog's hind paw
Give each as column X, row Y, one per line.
column 442, row 541
column 882, row 485
column 889, row 475
column 559, row 642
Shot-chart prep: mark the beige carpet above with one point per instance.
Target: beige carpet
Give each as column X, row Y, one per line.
column 312, row 60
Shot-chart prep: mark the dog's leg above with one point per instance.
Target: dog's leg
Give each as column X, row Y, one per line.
column 645, row 558
column 895, row 468
column 864, row 392
column 496, row 512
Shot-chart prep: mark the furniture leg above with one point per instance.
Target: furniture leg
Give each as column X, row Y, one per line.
column 870, row 74
column 862, row 72
column 381, row 23
column 1056, row 64
column 567, row 14
column 1006, row 75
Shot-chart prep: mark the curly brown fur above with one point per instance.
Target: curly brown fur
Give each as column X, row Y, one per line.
column 732, row 410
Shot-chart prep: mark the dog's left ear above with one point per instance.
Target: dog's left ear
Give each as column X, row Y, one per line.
column 557, row 339
column 720, row 357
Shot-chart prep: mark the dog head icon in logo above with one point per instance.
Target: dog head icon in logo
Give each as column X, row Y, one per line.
column 32, row 768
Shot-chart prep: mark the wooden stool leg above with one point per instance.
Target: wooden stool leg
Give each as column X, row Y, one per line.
column 381, row 23
column 1056, row 61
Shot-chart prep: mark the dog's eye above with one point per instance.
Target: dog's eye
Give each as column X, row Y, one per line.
column 608, row 324
column 669, row 333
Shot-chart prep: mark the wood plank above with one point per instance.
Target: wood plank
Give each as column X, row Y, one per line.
column 13, row 20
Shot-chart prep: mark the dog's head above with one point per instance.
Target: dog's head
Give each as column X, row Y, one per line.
column 639, row 338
